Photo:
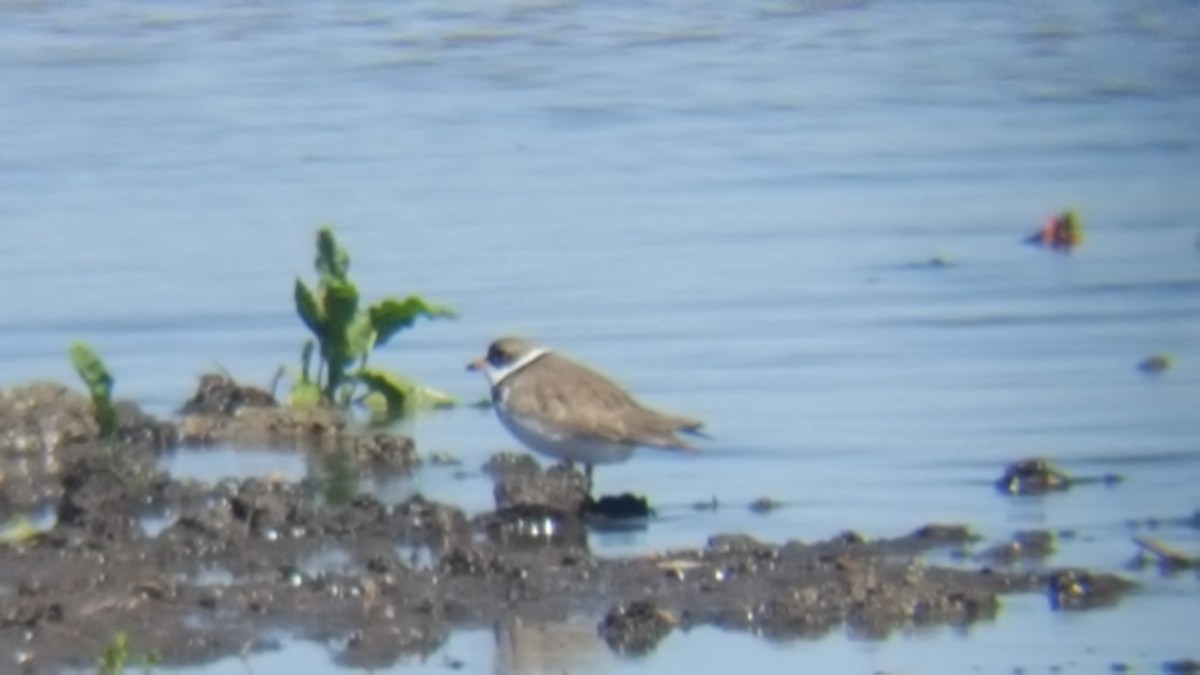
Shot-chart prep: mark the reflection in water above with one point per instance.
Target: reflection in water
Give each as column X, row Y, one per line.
column 570, row 646
column 212, row 465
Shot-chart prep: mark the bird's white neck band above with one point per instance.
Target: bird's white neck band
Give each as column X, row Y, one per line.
column 497, row 375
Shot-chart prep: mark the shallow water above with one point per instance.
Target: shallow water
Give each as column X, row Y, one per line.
column 727, row 207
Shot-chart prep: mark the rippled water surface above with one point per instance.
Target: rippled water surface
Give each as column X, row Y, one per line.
column 727, row 206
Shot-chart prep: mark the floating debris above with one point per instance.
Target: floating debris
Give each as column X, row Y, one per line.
column 1155, row 363
column 1061, row 232
column 1168, row 558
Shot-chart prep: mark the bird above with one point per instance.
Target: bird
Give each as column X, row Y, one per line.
column 565, row 410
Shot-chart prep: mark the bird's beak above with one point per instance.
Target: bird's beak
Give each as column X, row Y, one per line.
column 475, row 365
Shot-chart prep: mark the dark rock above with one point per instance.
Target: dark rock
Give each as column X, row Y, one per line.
column 102, row 493
column 390, row 450
column 461, row 561
column 507, row 463
column 1025, row 545
column 135, row 427
column 533, row 525
column 1032, row 477
column 261, row 507
column 615, row 509
column 316, row 428
column 429, row 521
column 1181, row 666
column 636, row 628
column 734, row 543
column 221, row 395
column 1081, row 589
column 44, row 417
column 764, row 505
column 942, row 535
column 560, row 488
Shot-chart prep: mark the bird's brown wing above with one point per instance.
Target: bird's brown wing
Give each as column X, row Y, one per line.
column 581, row 402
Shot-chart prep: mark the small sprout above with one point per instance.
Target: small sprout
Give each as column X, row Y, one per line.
column 17, row 530
column 99, row 383
column 118, row 654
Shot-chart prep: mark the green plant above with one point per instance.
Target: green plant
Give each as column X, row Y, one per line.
column 344, row 336
column 99, row 383
column 117, row 655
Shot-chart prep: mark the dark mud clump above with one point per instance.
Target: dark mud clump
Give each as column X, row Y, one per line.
column 226, row 412
column 244, row 560
column 221, row 395
column 1182, row 667
column 636, row 627
column 1032, row 477
column 1027, row 545
column 1039, row 477
column 1081, row 589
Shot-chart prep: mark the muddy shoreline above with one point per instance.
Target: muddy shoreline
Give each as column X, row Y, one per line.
column 240, row 560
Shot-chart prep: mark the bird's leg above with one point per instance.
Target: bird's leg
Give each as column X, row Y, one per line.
column 587, row 472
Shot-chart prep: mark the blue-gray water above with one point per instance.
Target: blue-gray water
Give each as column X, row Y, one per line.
column 722, row 204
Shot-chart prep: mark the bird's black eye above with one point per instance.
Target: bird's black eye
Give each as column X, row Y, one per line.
column 496, row 356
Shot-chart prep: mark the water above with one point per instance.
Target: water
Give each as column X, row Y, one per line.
column 719, row 204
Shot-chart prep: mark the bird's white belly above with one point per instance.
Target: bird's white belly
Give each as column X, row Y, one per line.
column 549, row 442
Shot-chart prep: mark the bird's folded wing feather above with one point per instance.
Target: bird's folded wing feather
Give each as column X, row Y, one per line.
column 584, row 403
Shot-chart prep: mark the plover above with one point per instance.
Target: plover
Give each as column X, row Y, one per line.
column 565, row 410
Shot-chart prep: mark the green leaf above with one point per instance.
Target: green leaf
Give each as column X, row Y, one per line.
column 360, row 336
column 306, row 360
column 377, row 404
column 99, row 382
column 91, row 370
column 309, row 310
column 115, row 656
column 304, row 395
column 390, row 316
column 402, row 394
column 340, row 303
column 333, row 262
column 395, row 390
